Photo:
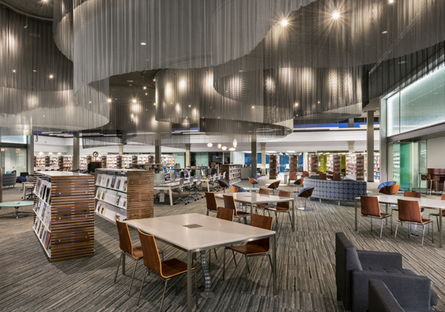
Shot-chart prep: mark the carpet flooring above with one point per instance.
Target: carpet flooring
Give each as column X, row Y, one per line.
column 306, row 266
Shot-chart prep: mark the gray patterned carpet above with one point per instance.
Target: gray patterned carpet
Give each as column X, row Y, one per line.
column 28, row 282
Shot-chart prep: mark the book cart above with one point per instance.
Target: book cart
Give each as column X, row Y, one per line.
column 64, row 214
column 124, row 194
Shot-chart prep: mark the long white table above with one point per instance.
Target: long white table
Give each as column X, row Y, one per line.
column 427, row 203
column 198, row 233
column 255, row 198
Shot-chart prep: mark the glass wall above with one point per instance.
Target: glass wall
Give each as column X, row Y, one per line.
column 419, row 105
column 13, row 159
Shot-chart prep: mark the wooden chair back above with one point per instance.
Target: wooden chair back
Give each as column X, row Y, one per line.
column 225, row 214
column 229, row 202
column 322, row 175
column 300, row 181
column 262, row 222
column 409, row 210
column 336, row 176
column 274, row 185
column 150, row 252
column 284, row 204
column 236, row 189
column 370, row 206
column 252, row 181
column 305, row 174
column 125, row 243
column 412, row 194
column 264, row 191
column 292, row 175
column 211, row 201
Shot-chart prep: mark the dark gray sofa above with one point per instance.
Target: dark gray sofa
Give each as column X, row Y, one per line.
column 355, row 268
column 380, row 299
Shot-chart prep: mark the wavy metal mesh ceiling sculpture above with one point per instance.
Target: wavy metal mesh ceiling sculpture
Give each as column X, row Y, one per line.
column 36, row 79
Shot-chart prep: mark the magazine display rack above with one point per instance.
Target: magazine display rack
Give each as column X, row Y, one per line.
column 124, row 194
column 64, row 214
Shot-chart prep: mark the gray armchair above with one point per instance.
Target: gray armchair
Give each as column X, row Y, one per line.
column 355, row 268
column 381, row 299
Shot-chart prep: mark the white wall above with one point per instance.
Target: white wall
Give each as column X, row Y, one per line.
column 238, row 158
column 435, row 153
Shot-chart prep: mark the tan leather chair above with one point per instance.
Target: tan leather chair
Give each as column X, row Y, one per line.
column 437, row 214
column 225, row 214
column 336, row 176
column 164, row 270
column 370, row 208
column 282, row 207
column 405, row 194
column 262, row 191
column 253, row 181
column 255, row 248
column 229, row 203
column 211, row 202
column 409, row 211
column 127, row 249
column 305, row 174
column 273, row 186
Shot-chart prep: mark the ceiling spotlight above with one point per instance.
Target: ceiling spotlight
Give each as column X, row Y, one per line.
column 90, row 102
column 51, row 76
column 296, row 104
column 134, row 100
column 190, row 106
column 143, row 43
column 391, row 1
column 384, row 32
column 232, row 149
column 219, row 145
column 318, row 102
column 13, row 70
column 284, row 22
column 209, row 144
column 224, row 148
column 154, row 79
column 154, row 104
column 109, row 100
column 336, row 15
column 253, row 106
column 145, row 88
column 34, row 70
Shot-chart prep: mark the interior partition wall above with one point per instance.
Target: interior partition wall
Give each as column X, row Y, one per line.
column 410, row 118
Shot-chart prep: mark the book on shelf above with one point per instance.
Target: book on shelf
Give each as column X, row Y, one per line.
column 118, row 198
column 124, row 188
column 113, row 181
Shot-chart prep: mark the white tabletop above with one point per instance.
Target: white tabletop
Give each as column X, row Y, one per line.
column 210, row 233
column 166, row 184
column 423, row 202
column 255, row 198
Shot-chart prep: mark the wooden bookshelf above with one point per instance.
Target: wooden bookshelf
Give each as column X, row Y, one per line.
column 314, row 163
column 336, row 159
column 233, row 173
column 293, row 163
column 124, row 194
column 273, row 166
column 64, row 214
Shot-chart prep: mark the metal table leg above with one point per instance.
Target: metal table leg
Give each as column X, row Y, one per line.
column 293, row 216
column 440, row 230
column 207, row 281
column 171, row 196
column 189, row 281
column 274, row 269
column 356, row 215
column 16, row 212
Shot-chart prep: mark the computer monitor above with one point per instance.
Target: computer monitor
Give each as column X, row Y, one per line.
column 177, row 175
column 92, row 166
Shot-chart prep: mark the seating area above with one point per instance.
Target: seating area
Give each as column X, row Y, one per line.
column 340, row 191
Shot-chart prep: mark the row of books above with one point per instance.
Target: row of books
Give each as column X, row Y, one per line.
column 43, row 190
column 109, row 212
column 43, row 210
column 114, row 182
column 112, row 197
column 43, row 233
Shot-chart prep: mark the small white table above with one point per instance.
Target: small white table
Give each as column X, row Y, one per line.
column 166, row 187
column 197, row 233
column 428, row 203
column 256, row 198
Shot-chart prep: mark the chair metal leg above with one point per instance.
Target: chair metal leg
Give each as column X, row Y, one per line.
column 132, row 277
column 216, row 256
column 359, row 223
column 397, row 227
column 163, row 294
column 247, row 264
column 270, row 261
column 371, row 223
column 234, row 258
column 423, row 235
column 117, row 271
column 381, row 229
column 224, row 264
column 432, row 232
column 142, row 285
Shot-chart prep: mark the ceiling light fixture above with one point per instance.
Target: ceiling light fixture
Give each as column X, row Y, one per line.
column 219, row 145
column 209, row 144
column 336, row 15
column 51, row 76
column 232, row 149
column 13, row 70
column 143, row 43
column 109, row 100
column 284, row 22
column 34, row 70
column 235, row 143
column 384, row 32
column 296, row 104
column 145, row 88
column 134, row 100
column 224, row 148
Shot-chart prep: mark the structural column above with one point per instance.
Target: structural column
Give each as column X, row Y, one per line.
column 76, row 151
column 263, row 158
column 30, row 154
column 121, row 150
column 254, row 162
column 158, row 151
column 370, row 146
column 187, row 154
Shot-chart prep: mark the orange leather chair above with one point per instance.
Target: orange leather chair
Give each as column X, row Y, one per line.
column 409, row 212
column 370, row 208
column 273, row 186
column 211, row 202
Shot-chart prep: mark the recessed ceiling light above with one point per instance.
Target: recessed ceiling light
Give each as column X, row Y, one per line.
column 240, row 70
column 134, row 100
column 129, row 80
column 296, row 104
column 284, row 22
column 146, row 93
column 109, row 100
column 154, row 104
column 145, row 88
column 391, row 1
column 224, row 148
column 253, row 106
column 34, row 70
column 318, row 102
column 13, row 70
column 154, row 79
column 190, row 106
column 336, row 15
column 384, row 32
column 219, row 145
column 143, row 43
column 51, row 76
column 232, row 149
